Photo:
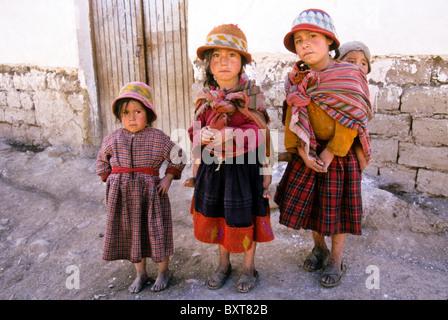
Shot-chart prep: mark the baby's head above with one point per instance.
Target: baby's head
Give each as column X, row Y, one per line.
column 357, row 53
column 138, row 98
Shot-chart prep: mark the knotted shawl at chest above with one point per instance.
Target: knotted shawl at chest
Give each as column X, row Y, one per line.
column 340, row 90
column 246, row 97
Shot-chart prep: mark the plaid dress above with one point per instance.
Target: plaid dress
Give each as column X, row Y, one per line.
column 329, row 203
column 139, row 221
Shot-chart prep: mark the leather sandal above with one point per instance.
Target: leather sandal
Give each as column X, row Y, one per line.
column 317, row 259
column 334, row 274
column 220, row 278
column 251, row 280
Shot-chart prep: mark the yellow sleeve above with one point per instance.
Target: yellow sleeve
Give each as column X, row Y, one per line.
column 342, row 140
column 292, row 141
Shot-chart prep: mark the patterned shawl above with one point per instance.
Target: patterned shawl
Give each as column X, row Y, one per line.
column 246, row 97
column 340, row 90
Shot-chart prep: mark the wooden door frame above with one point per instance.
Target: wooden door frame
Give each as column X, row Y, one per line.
column 152, row 29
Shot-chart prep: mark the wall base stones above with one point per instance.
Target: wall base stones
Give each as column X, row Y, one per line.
column 44, row 107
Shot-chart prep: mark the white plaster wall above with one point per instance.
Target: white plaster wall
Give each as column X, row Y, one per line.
column 45, row 32
column 38, row 32
column 405, row 27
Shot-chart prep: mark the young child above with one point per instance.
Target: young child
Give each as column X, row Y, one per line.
column 138, row 208
column 357, row 53
column 327, row 107
column 230, row 205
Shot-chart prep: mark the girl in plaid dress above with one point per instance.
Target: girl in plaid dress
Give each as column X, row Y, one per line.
column 327, row 107
column 139, row 221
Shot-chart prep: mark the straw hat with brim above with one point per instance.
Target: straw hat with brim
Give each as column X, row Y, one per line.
column 314, row 20
column 139, row 91
column 226, row 36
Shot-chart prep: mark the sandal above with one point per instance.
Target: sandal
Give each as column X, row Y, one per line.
column 317, row 259
column 190, row 182
column 220, row 278
column 334, row 274
column 251, row 280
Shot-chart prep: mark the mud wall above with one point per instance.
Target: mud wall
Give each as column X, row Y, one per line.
column 44, row 107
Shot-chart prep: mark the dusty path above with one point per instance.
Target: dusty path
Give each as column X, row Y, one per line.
column 52, row 217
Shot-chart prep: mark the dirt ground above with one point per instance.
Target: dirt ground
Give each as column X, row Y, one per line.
column 52, row 219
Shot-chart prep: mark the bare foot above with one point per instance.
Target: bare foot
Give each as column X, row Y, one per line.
column 190, row 182
column 162, row 281
column 138, row 284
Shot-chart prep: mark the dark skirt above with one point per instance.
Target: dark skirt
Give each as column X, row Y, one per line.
column 329, row 203
column 228, row 206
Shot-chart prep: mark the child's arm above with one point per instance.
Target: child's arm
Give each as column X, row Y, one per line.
column 103, row 167
column 326, row 156
column 357, row 148
column 165, row 183
column 267, row 179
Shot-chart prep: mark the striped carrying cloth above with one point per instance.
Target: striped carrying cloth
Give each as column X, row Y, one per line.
column 340, row 90
column 246, row 97
column 246, row 94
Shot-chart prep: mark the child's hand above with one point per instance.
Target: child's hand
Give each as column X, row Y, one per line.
column 362, row 163
column 266, row 182
column 360, row 156
column 164, row 184
column 326, row 157
column 221, row 136
column 207, row 135
column 315, row 165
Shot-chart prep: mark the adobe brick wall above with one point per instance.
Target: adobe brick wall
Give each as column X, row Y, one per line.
column 410, row 128
column 44, row 107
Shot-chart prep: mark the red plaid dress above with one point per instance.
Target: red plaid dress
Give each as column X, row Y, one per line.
column 139, row 221
column 329, row 203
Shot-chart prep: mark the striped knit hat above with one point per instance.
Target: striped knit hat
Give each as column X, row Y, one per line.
column 226, row 36
column 139, row 91
column 312, row 20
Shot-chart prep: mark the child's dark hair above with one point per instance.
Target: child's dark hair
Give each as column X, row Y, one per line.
column 121, row 105
column 334, row 45
column 209, row 78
